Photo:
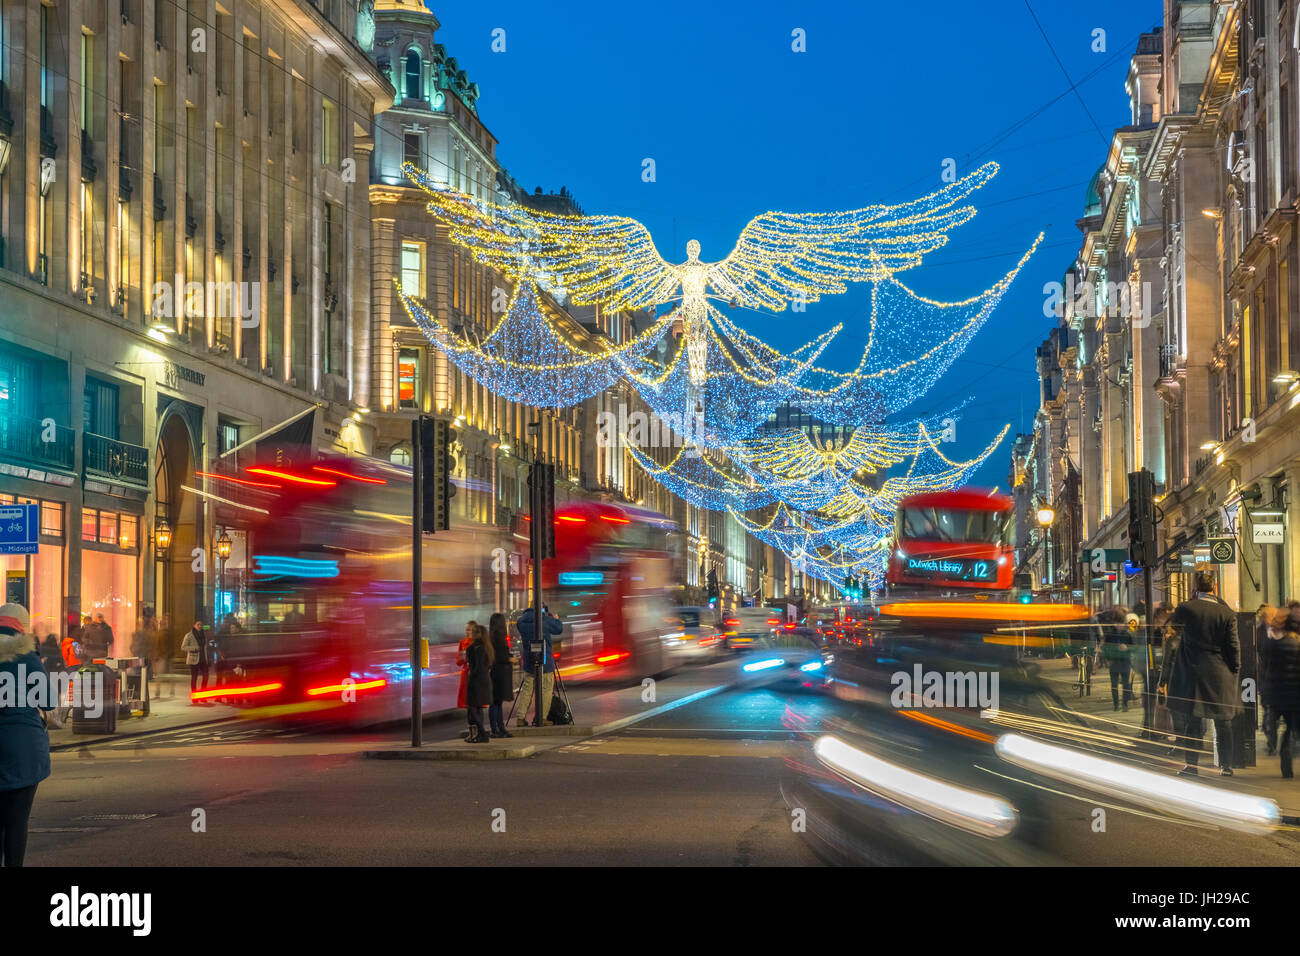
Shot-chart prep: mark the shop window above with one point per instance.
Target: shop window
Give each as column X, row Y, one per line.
column 128, row 531
column 89, row 524
column 44, row 586
column 109, row 586
column 52, row 518
column 108, row 527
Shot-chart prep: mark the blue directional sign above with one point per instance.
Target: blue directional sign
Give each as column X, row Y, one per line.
column 20, row 529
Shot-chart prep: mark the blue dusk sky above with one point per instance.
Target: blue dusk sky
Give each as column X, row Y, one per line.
column 738, row 123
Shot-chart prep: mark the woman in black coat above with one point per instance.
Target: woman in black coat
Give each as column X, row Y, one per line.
column 503, row 674
column 478, row 688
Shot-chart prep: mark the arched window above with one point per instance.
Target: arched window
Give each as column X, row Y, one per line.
column 414, row 75
column 401, row 455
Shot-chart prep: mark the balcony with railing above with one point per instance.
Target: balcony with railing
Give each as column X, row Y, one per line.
column 1168, row 360
column 38, row 442
column 115, row 460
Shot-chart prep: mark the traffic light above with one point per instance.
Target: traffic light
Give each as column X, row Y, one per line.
column 1143, row 546
column 541, row 501
column 436, row 437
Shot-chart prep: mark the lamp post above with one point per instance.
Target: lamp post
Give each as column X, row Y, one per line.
column 1046, row 515
column 223, row 552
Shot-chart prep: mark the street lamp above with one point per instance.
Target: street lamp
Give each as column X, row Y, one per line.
column 223, row 552
column 1046, row 515
column 163, row 534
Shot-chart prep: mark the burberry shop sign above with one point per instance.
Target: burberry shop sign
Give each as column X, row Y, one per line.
column 178, row 376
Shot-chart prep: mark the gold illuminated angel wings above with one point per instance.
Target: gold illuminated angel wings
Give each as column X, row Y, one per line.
column 779, row 257
column 782, row 256
column 610, row 260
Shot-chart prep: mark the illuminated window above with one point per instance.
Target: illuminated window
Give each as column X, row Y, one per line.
column 408, row 378
column 413, row 268
column 108, row 527
column 127, row 531
column 400, row 455
column 52, row 518
column 89, row 524
column 329, row 155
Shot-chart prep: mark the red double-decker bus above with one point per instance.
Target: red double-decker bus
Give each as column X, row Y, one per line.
column 953, row 539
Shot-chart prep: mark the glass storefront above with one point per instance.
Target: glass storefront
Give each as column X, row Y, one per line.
column 110, row 572
column 109, row 585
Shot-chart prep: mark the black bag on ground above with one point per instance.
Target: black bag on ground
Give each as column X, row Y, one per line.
column 559, row 713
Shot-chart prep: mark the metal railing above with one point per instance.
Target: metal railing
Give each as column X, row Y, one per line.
column 1168, row 360
column 35, row 441
column 111, row 458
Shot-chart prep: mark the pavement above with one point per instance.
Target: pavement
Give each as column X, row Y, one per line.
column 597, row 711
column 169, row 709
column 1098, row 711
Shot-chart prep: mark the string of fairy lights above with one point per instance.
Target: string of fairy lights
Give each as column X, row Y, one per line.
column 827, row 503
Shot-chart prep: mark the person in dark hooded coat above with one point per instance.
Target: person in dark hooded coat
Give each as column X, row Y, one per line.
column 24, row 742
column 1280, row 656
column 503, row 675
column 478, row 685
column 1200, row 671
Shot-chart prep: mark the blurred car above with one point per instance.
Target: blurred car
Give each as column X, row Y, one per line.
column 690, row 635
column 791, row 653
column 748, row 626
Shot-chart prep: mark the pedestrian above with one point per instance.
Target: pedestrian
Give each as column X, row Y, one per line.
column 51, row 656
column 503, row 675
column 98, row 640
column 84, row 634
column 24, row 742
column 479, row 658
column 195, row 646
column 71, row 651
column 1266, row 617
column 551, row 626
column 1202, row 661
column 462, row 692
column 1117, row 638
column 1280, row 680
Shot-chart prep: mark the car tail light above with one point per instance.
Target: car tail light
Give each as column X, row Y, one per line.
column 773, row 620
column 613, row 658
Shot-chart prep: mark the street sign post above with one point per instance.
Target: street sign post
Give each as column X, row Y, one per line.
column 19, row 529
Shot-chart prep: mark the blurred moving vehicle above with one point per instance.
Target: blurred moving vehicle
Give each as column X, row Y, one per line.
column 327, row 595
column 958, row 539
column 692, row 637
column 790, row 653
column 747, row 626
